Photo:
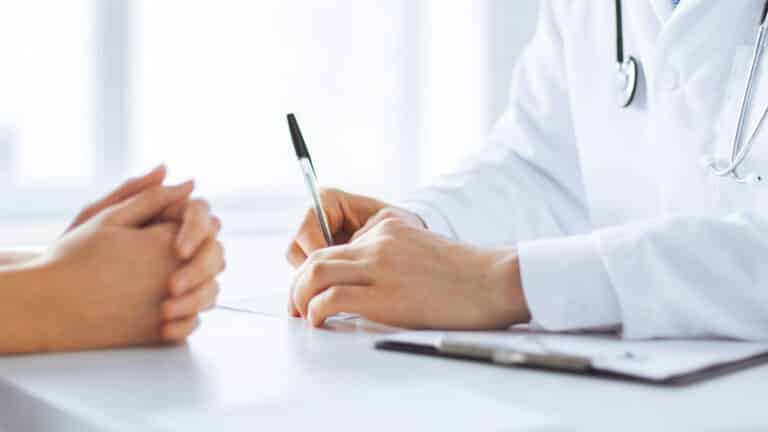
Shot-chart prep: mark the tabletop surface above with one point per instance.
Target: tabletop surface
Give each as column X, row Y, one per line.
column 246, row 371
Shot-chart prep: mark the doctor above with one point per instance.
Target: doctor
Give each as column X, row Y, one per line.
column 635, row 205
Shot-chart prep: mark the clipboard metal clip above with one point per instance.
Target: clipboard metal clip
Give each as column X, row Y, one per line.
column 511, row 357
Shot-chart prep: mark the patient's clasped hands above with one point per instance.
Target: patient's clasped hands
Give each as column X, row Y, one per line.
column 136, row 267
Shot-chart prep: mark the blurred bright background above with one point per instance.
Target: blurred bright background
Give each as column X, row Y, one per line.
column 388, row 93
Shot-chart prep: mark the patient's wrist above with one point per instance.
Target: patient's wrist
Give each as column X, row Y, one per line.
column 27, row 314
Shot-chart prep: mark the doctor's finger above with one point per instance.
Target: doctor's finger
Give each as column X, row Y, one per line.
column 310, row 236
column 292, row 311
column 370, row 223
column 339, row 252
column 374, row 221
column 389, row 215
column 322, row 274
column 295, row 255
column 296, row 258
column 336, row 299
column 299, row 260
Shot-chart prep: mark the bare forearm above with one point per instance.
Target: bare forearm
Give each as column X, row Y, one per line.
column 10, row 258
column 24, row 314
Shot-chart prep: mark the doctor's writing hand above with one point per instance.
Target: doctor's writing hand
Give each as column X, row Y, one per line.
column 403, row 276
column 110, row 277
column 349, row 217
column 195, row 242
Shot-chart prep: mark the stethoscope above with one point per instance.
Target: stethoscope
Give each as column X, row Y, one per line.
column 627, row 86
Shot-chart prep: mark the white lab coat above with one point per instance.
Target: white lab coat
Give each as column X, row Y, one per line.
column 616, row 222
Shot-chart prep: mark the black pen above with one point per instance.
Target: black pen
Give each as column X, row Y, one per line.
column 310, row 176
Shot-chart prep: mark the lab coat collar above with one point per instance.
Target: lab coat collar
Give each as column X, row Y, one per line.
column 689, row 12
column 666, row 13
column 697, row 26
column 664, row 9
column 696, row 29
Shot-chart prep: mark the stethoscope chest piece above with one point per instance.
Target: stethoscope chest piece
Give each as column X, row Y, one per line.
column 626, row 81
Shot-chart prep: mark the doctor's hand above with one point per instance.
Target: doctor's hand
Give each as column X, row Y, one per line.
column 349, row 217
column 404, row 276
column 109, row 277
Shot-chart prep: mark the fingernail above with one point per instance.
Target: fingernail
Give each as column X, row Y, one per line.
column 158, row 168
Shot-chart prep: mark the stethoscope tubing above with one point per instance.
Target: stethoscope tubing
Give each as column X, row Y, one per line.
column 619, row 34
column 739, row 152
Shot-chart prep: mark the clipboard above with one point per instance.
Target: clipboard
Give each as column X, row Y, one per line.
column 576, row 354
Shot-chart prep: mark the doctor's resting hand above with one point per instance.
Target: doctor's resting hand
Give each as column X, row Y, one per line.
column 135, row 268
column 387, row 267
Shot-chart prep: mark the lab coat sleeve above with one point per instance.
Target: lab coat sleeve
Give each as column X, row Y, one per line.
column 526, row 182
column 681, row 276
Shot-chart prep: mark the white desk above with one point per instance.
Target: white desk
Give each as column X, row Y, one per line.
column 256, row 372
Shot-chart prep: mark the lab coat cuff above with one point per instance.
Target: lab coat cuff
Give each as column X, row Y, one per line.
column 566, row 285
column 432, row 217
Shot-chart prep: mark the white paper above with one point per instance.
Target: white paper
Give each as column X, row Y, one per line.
column 649, row 359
